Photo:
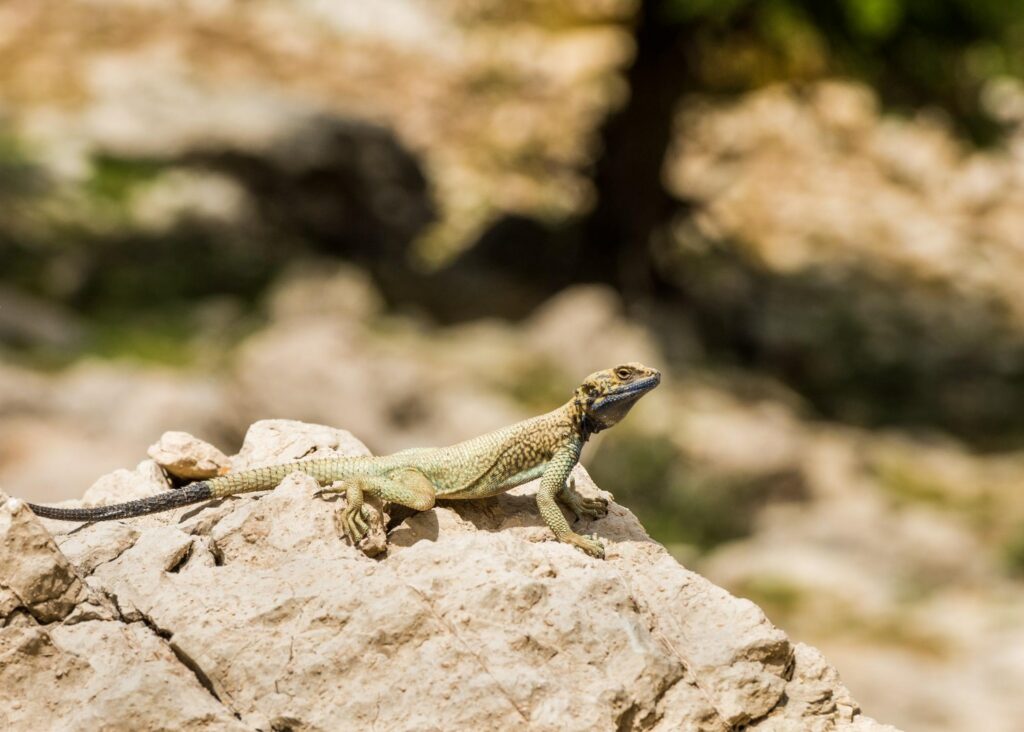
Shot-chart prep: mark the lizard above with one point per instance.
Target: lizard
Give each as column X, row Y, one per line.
column 545, row 447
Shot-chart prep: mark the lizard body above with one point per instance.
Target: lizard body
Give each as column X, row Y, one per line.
column 547, row 446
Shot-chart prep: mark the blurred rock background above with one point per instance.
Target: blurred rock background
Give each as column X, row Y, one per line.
column 422, row 220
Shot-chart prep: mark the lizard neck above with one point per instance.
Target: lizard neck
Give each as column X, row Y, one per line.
column 582, row 425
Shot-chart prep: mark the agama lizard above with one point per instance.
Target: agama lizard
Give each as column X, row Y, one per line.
column 547, row 447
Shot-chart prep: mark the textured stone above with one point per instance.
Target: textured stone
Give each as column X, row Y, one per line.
column 107, row 675
column 273, row 441
column 185, row 456
column 35, row 578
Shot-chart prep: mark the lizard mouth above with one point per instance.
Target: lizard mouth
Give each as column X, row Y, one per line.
column 642, row 386
column 612, row 407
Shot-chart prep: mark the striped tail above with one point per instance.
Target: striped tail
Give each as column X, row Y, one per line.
column 192, row 493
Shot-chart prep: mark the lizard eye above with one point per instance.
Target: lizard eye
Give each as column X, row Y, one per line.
column 623, row 372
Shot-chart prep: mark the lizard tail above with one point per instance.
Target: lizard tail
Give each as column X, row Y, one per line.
column 192, row 493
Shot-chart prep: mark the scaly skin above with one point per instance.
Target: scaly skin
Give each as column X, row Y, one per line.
column 547, row 447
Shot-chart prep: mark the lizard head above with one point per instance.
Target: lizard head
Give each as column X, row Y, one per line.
column 605, row 397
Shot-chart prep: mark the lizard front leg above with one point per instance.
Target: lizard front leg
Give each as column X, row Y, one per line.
column 551, row 484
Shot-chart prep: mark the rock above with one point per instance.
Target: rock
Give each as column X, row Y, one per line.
column 185, row 456
column 273, row 441
column 126, row 485
column 254, row 613
column 814, row 693
column 36, row 580
column 101, row 675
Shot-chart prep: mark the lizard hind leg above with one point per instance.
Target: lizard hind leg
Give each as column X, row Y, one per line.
column 407, row 487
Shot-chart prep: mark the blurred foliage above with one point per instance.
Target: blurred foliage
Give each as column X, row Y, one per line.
column 781, row 598
column 79, row 243
column 915, row 52
column 679, row 502
column 114, row 179
column 165, row 338
column 1013, row 553
column 805, row 610
column 19, row 176
column 128, row 291
column 875, row 348
column 537, row 386
column 907, row 483
column 165, row 334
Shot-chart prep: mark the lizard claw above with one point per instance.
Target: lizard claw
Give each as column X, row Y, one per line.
column 589, row 544
column 581, row 506
column 354, row 523
column 593, row 508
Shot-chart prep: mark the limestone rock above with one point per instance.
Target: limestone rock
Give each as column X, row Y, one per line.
column 254, row 613
column 273, row 441
column 126, row 485
column 100, row 675
column 37, row 583
column 185, row 456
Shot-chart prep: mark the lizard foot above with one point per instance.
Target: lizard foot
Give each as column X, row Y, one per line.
column 355, row 522
column 593, row 508
column 589, row 544
column 581, row 506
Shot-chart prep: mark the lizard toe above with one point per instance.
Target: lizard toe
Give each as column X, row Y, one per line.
column 589, row 544
column 354, row 526
column 596, row 509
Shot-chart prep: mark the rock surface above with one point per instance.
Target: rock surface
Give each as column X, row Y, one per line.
column 253, row 613
column 184, row 456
